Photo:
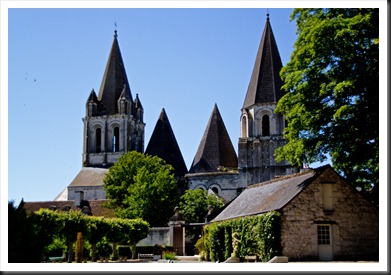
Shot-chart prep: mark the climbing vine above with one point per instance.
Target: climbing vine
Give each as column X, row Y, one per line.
column 258, row 235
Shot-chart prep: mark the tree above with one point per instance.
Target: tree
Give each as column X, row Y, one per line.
column 98, row 227
column 194, row 208
column 23, row 244
column 332, row 99
column 70, row 223
column 142, row 186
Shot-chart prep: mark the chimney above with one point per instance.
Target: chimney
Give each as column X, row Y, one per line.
column 79, row 196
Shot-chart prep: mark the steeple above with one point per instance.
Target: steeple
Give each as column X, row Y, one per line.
column 113, row 82
column 216, row 149
column 265, row 83
column 164, row 145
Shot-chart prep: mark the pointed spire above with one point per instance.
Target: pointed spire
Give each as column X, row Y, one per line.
column 92, row 98
column 137, row 103
column 164, row 145
column 113, row 81
column 265, row 83
column 215, row 149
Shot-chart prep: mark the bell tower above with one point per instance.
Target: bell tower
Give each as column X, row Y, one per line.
column 262, row 129
column 113, row 124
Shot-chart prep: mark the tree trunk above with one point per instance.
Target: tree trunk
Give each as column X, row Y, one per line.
column 93, row 248
column 115, row 252
column 70, row 252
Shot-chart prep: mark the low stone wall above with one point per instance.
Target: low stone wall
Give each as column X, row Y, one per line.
column 157, row 235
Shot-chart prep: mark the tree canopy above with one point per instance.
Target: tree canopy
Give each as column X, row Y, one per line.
column 194, row 208
column 142, row 186
column 332, row 93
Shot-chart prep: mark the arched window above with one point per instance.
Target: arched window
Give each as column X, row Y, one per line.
column 244, row 127
column 215, row 190
column 265, row 126
column 98, row 140
column 116, row 140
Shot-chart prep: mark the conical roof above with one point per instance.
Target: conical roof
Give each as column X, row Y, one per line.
column 164, row 145
column 215, row 149
column 265, row 83
column 113, row 82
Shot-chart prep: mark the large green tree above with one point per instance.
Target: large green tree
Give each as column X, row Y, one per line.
column 194, row 206
column 332, row 99
column 142, row 186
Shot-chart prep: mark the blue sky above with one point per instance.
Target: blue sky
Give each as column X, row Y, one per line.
column 182, row 59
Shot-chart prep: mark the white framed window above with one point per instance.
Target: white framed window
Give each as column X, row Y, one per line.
column 324, row 234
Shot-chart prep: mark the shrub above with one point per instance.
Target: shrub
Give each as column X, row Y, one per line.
column 167, row 255
column 104, row 248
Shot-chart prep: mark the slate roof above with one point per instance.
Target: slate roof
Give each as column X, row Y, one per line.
column 164, row 145
column 265, row 83
column 90, row 176
column 215, row 148
column 96, row 207
column 114, row 82
column 269, row 195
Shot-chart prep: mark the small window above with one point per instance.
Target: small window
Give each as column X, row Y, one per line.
column 215, row 190
column 98, row 139
column 265, row 125
column 324, row 234
column 116, row 140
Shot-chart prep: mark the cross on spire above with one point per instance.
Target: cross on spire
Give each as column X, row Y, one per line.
column 115, row 29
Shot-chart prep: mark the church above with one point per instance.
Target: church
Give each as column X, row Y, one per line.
column 113, row 125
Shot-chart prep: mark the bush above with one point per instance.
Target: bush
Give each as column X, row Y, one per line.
column 168, row 255
column 103, row 248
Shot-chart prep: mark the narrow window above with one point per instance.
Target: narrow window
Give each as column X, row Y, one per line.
column 98, row 139
column 116, row 140
column 327, row 196
column 244, row 127
column 265, row 125
column 324, row 234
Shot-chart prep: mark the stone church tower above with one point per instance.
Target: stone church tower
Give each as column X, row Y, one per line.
column 113, row 124
column 262, row 129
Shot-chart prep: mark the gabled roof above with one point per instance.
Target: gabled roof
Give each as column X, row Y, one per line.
column 113, row 81
column 265, row 84
column 164, row 145
column 269, row 195
column 90, row 176
column 215, row 149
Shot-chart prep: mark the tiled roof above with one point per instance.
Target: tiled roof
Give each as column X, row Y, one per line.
column 113, row 82
column 96, row 207
column 90, row 176
column 215, row 149
column 267, row 196
column 164, row 145
column 265, row 83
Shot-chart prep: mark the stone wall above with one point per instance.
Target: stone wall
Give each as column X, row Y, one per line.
column 354, row 222
column 157, row 235
column 90, row 192
column 225, row 183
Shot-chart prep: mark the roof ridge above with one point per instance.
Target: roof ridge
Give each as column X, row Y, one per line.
column 284, row 177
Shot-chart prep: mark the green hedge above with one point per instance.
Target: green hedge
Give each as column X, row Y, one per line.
column 256, row 235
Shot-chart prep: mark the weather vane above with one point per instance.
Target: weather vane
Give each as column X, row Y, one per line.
column 115, row 24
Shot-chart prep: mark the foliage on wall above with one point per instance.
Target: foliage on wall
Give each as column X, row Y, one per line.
column 258, row 235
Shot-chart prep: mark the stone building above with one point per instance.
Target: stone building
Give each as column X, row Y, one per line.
column 323, row 217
